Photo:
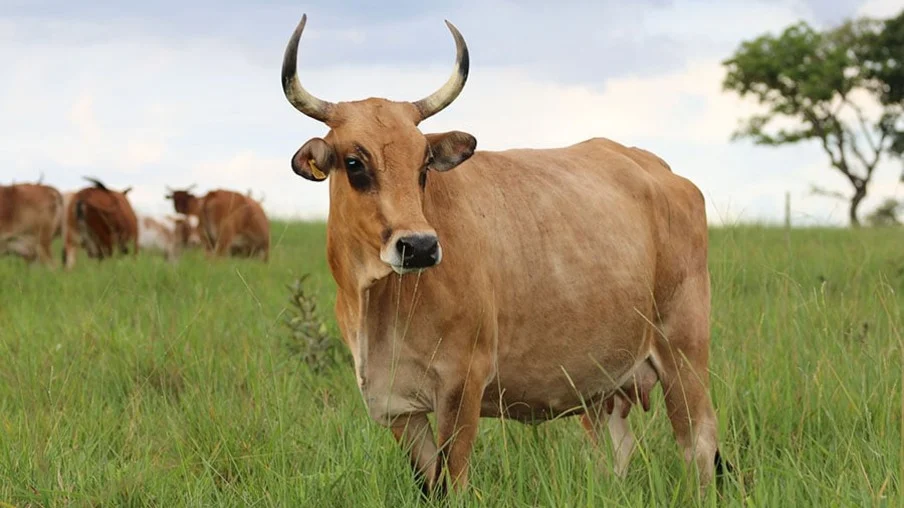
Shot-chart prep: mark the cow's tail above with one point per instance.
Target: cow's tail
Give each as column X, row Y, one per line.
column 206, row 223
column 80, row 210
column 81, row 219
column 80, row 225
column 81, row 214
column 59, row 216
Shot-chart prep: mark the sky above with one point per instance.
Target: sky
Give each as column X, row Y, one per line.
column 150, row 94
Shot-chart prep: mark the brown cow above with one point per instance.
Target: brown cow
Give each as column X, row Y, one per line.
column 565, row 276
column 230, row 223
column 184, row 201
column 100, row 220
column 30, row 215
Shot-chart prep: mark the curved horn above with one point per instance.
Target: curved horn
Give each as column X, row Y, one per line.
column 190, row 187
column 441, row 98
column 297, row 95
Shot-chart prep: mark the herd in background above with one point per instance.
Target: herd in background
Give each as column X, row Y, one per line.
column 103, row 222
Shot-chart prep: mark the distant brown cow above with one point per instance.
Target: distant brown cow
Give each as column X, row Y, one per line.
column 230, row 223
column 29, row 217
column 100, row 220
column 184, row 201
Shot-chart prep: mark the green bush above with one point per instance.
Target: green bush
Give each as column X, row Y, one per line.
column 309, row 337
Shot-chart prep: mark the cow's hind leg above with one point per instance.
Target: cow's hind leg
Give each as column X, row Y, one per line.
column 682, row 357
column 44, row 243
column 598, row 416
column 69, row 248
column 414, row 433
column 224, row 240
column 264, row 252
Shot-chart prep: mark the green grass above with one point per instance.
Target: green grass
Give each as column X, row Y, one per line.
column 135, row 382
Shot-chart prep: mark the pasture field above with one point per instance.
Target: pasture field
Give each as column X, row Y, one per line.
column 139, row 383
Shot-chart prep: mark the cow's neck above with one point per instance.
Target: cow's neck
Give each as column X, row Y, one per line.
column 354, row 275
column 194, row 207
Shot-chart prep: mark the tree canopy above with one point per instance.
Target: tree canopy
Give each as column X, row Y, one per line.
column 884, row 66
column 840, row 87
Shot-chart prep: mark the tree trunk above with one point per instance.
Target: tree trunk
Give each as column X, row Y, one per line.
column 859, row 194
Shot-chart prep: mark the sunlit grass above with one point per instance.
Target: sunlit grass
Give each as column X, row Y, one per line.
column 136, row 382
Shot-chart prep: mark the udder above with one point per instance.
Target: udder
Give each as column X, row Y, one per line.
column 636, row 390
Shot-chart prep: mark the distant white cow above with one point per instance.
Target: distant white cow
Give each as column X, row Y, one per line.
column 169, row 234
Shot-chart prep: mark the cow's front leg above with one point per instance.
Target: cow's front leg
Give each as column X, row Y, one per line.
column 414, row 433
column 457, row 416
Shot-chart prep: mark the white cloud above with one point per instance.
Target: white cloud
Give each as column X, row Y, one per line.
column 151, row 113
column 880, row 8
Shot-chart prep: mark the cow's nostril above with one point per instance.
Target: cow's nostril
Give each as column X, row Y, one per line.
column 432, row 248
column 403, row 247
column 418, row 251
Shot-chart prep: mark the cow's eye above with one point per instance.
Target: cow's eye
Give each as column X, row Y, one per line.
column 353, row 165
column 357, row 174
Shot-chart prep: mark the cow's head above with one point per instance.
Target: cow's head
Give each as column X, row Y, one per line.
column 379, row 162
column 184, row 201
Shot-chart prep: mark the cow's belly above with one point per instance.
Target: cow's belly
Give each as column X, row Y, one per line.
column 23, row 245
column 541, row 390
column 571, row 342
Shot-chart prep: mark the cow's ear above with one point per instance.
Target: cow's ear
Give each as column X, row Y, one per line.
column 314, row 160
column 450, row 149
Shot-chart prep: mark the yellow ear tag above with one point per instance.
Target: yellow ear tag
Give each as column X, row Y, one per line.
column 320, row 175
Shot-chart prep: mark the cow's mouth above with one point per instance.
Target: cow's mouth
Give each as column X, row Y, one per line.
column 401, row 270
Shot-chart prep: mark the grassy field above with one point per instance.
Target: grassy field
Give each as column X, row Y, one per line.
column 136, row 383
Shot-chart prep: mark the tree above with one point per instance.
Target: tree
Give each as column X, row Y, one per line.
column 814, row 86
column 883, row 57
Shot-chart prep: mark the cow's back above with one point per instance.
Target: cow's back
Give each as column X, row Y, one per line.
column 608, row 203
column 29, row 208
column 105, row 214
column 679, row 219
column 224, row 208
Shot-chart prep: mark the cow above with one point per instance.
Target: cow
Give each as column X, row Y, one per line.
column 188, row 232
column 30, row 215
column 187, row 205
column 230, row 223
column 526, row 284
column 170, row 234
column 101, row 221
column 184, row 202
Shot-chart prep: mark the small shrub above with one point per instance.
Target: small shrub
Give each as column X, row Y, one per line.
column 309, row 337
column 886, row 214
